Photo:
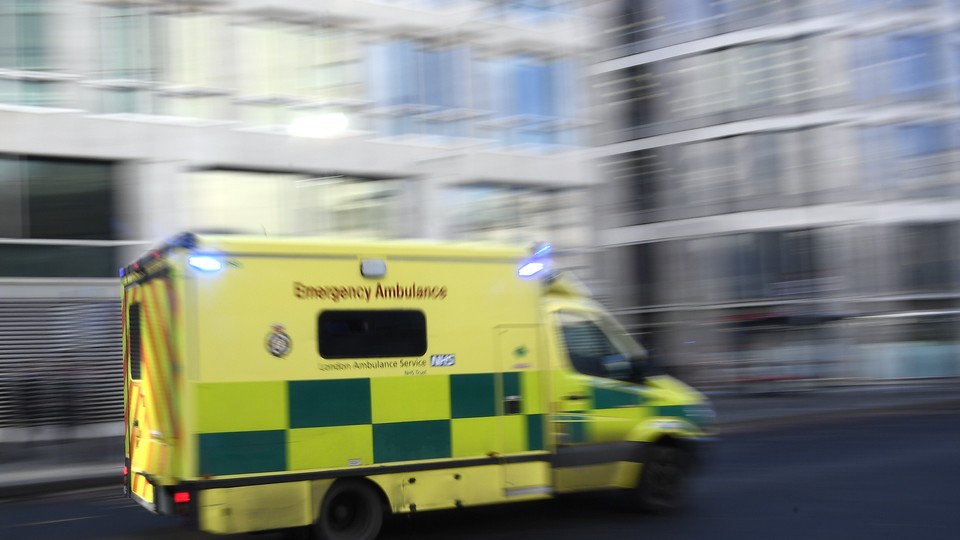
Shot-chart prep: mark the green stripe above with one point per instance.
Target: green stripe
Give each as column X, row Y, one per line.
column 574, row 424
column 608, row 398
column 578, row 431
column 409, row 441
column 534, row 432
column 243, row 452
column 329, row 403
column 677, row 411
column 473, row 395
column 511, row 384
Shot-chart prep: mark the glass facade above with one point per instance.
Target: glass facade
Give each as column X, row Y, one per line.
column 174, row 63
column 789, row 181
column 271, row 72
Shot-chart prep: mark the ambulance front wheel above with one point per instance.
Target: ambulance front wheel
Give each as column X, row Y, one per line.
column 351, row 510
column 660, row 487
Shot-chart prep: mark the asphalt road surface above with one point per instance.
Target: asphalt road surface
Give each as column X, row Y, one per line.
column 890, row 476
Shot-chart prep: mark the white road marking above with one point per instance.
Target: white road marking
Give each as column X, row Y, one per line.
column 35, row 523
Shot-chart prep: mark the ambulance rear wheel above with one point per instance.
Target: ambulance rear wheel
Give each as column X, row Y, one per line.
column 351, row 510
column 661, row 479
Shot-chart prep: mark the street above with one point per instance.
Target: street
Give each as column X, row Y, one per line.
column 882, row 476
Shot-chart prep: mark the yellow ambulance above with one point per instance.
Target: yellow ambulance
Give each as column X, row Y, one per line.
column 316, row 385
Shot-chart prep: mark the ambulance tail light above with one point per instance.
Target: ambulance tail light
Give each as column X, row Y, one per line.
column 182, row 503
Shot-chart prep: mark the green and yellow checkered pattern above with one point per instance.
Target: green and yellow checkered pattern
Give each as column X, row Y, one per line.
column 261, row 427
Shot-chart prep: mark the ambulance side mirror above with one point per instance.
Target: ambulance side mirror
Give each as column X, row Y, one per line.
column 639, row 368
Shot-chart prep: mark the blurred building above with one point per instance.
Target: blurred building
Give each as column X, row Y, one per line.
column 124, row 121
column 784, row 197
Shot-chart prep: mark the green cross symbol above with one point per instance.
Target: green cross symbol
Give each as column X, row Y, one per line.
column 520, row 351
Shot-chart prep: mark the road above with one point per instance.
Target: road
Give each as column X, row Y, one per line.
column 885, row 476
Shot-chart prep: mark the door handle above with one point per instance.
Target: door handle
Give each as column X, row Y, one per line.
column 511, row 404
column 575, row 397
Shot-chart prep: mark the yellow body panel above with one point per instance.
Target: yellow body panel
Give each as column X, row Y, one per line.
column 251, row 508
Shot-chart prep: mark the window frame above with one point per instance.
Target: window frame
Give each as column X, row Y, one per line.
column 616, row 338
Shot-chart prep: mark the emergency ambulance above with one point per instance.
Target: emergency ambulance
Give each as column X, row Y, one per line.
column 316, row 385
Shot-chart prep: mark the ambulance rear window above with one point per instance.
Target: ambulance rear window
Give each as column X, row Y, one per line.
column 133, row 340
column 372, row 334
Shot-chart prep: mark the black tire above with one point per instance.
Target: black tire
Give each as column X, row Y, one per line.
column 351, row 510
column 660, row 488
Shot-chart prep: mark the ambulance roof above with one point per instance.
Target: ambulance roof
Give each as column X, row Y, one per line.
column 295, row 245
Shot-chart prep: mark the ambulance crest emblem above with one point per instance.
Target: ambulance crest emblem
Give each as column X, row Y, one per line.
column 278, row 342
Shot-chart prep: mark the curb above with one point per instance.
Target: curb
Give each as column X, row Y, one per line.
column 71, row 482
column 807, row 417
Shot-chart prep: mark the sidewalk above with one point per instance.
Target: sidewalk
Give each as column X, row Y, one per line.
column 737, row 411
column 51, row 465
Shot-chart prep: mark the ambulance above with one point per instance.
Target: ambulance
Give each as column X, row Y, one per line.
column 315, row 385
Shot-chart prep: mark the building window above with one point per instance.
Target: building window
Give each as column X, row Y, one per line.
column 23, row 34
column 757, row 11
column 420, row 88
column 633, row 22
column 530, row 101
column 160, row 62
column 283, row 203
column 372, row 334
column 925, row 266
column 766, row 75
column 536, row 11
column 903, row 66
column 24, row 51
column 888, row 4
column 56, row 198
column 765, row 166
column 127, row 58
column 191, row 44
column 917, row 140
column 915, row 66
column 126, row 42
column 682, row 15
column 912, row 159
column 294, row 71
column 517, row 214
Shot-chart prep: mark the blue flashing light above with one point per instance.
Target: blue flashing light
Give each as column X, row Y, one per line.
column 542, row 251
column 205, row 263
column 531, row 269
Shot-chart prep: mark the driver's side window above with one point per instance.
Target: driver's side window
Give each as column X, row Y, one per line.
column 590, row 351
